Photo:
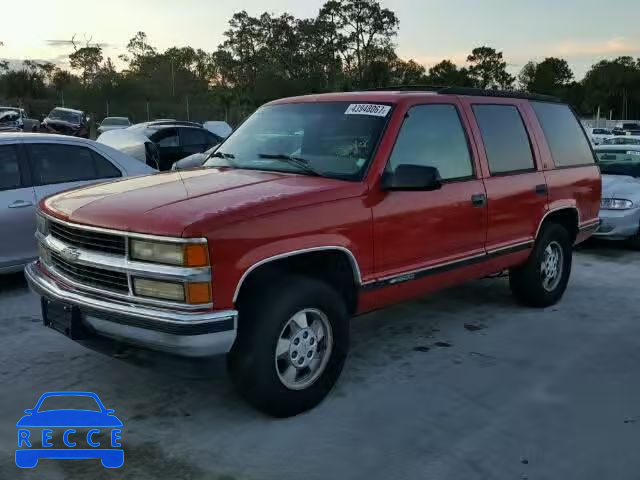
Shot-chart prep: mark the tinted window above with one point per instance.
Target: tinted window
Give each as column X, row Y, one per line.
column 167, row 137
column 9, row 168
column 505, row 139
column 193, row 136
column 61, row 163
column 432, row 135
column 104, row 168
column 564, row 134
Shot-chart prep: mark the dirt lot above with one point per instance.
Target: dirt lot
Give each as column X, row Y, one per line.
column 460, row 385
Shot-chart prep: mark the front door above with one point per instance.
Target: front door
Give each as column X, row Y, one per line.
column 17, row 211
column 416, row 230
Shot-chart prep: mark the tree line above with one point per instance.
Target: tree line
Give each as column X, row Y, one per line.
column 349, row 45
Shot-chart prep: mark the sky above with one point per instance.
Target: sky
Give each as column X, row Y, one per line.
column 582, row 31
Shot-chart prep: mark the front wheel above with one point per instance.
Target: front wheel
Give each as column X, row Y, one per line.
column 292, row 344
column 543, row 279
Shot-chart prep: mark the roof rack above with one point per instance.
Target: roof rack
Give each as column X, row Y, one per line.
column 468, row 91
column 173, row 122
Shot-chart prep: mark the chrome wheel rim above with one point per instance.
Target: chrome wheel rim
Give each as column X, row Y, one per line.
column 303, row 349
column 552, row 266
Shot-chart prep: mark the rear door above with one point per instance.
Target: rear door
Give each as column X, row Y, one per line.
column 513, row 177
column 17, row 209
column 57, row 167
column 195, row 140
column 168, row 142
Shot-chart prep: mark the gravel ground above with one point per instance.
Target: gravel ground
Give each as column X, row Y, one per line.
column 460, row 385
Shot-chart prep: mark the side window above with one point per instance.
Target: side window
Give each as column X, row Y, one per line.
column 505, row 138
column 192, row 136
column 9, row 168
column 166, row 137
column 432, row 135
column 104, row 168
column 564, row 134
column 212, row 139
column 51, row 163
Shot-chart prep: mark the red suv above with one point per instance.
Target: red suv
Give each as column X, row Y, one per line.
column 316, row 209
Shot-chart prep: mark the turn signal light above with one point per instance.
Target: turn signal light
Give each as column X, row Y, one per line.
column 198, row 292
column 196, row 255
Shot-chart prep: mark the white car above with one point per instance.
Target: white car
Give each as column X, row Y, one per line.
column 113, row 123
column 622, row 140
column 598, row 135
column 33, row 167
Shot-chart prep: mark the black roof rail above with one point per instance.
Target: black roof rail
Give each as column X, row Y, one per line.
column 174, row 122
column 468, row 91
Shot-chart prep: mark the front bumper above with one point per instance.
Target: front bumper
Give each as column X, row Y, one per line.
column 618, row 224
column 189, row 334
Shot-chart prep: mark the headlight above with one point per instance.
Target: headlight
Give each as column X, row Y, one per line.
column 157, row 289
column 182, row 254
column 615, row 204
column 42, row 225
column 192, row 293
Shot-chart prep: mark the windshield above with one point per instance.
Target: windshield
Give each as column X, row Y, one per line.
column 619, row 162
column 335, row 140
column 64, row 115
column 622, row 141
column 116, row 121
column 64, row 402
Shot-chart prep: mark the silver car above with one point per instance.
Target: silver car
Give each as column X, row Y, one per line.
column 113, row 123
column 620, row 206
column 33, row 167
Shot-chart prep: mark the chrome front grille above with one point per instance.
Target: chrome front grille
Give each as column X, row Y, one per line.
column 91, row 276
column 88, row 239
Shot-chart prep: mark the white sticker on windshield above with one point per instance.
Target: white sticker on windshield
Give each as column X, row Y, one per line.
column 368, row 109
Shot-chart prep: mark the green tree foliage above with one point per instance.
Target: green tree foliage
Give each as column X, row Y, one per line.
column 349, row 44
column 488, row 69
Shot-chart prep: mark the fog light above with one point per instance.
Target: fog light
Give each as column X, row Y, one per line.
column 199, row 292
column 144, row 287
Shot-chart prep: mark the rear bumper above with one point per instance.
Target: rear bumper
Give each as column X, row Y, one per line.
column 189, row 334
column 618, row 224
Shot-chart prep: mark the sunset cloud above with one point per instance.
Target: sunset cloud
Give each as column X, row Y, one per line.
column 613, row 47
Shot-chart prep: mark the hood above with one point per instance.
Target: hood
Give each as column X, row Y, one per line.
column 191, row 202
column 60, row 123
column 621, row 186
column 69, row 418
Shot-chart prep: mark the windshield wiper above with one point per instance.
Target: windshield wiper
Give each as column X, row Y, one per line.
column 301, row 163
column 226, row 156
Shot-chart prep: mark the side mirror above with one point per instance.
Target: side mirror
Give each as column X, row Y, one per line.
column 412, row 177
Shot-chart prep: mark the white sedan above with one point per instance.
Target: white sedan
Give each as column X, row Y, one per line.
column 33, row 167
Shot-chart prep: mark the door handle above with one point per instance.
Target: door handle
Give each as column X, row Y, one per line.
column 542, row 189
column 20, row 204
column 479, row 200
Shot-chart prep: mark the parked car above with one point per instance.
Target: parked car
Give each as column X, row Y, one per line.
column 33, row 167
column 161, row 143
column 622, row 140
column 66, row 121
column 113, row 123
column 15, row 119
column 195, row 160
column 318, row 208
column 598, row 135
column 627, row 128
column 620, row 206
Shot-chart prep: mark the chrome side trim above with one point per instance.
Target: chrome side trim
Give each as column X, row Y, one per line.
column 510, row 246
column 121, row 264
column 352, row 259
column 48, row 288
column 123, row 233
column 556, row 210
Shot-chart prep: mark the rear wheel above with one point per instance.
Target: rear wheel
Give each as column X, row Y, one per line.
column 292, row 344
column 543, row 279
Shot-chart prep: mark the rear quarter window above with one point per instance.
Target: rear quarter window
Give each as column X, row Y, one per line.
column 566, row 138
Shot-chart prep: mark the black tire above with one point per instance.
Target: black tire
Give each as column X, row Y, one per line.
column 263, row 316
column 526, row 281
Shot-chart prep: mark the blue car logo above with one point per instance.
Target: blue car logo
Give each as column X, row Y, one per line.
column 36, row 429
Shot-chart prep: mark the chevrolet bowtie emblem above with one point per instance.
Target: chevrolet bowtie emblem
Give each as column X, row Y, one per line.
column 70, row 253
